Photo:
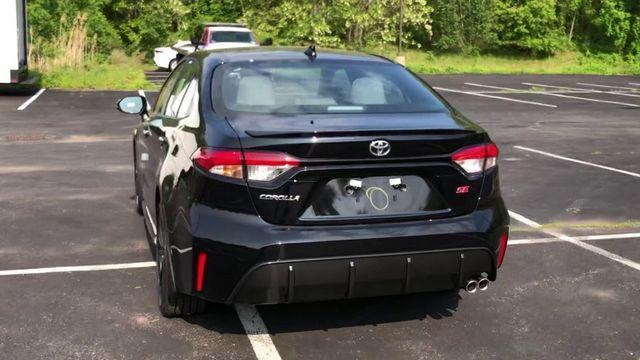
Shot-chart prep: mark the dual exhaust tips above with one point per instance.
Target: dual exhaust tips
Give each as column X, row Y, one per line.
column 481, row 283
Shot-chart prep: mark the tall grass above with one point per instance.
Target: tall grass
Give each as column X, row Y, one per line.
column 70, row 48
column 70, row 60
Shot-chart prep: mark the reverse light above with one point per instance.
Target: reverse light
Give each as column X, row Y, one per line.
column 258, row 165
column 477, row 158
column 504, row 238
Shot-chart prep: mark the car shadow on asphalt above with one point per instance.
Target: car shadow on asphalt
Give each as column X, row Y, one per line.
column 290, row 318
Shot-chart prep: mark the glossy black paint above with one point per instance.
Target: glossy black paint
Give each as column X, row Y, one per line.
column 261, row 251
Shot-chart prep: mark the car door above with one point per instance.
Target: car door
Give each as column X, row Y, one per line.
column 152, row 137
column 177, row 114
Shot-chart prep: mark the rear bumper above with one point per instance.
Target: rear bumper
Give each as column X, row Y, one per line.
column 250, row 261
column 361, row 276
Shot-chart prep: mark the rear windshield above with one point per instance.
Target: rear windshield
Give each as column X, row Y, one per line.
column 320, row 87
column 231, row 36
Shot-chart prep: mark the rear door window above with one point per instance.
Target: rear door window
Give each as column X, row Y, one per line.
column 180, row 89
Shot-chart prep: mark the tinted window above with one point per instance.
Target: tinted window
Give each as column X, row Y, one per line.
column 166, row 90
column 321, row 87
column 181, row 86
column 188, row 100
column 231, row 36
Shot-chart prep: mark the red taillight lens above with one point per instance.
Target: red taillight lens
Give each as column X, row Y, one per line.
column 260, row 165
column 220, row 162
column 504, row 238
column 202, row 263
column 477, row 158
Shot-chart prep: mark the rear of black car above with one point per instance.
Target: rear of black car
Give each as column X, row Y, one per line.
column 351, row 179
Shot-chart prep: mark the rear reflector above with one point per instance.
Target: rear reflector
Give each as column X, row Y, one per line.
column 477, row 158
column 259, row 165
column 202, row 262
column 504, row 238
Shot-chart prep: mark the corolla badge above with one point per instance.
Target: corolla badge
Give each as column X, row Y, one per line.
column 379, row 147
column 279, row 197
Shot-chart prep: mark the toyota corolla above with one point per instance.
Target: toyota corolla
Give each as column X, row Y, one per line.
column 273, row 175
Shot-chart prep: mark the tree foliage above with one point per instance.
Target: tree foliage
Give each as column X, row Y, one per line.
column 534, row 27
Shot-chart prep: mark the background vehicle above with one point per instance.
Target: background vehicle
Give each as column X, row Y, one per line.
column 212, row 37
column 282, row 176
column 13, row 41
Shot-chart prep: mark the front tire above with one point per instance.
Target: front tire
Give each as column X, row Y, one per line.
column 170, row 301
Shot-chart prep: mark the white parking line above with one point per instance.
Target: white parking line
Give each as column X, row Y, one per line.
column 31, row 99
column 257, row 333
column 577, row 161
column 607, row 86
column 584, row 90
column 558, row 95
column 63, row 269
column 635, row 84
column 569, row 239
column 495, row 97
column 580, row 238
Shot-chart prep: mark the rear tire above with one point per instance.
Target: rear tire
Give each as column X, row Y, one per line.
column 170, row 302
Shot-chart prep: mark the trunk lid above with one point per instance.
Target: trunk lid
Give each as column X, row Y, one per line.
column 341, row 179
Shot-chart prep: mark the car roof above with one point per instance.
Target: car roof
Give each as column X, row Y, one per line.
column 228, row 28
column 274, row 53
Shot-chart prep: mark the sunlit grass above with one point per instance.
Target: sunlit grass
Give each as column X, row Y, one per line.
column 119, row 72
column 425, row 62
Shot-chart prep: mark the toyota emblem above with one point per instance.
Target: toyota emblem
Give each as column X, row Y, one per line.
column 379, row 147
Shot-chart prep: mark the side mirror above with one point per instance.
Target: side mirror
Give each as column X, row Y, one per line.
column 136, row 105
column 267, row 42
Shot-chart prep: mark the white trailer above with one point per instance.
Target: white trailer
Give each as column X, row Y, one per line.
column 13, row 41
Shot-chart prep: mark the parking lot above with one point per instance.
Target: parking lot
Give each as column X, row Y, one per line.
column 569, row 288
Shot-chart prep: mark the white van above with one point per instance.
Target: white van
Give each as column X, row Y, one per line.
column 13, row 41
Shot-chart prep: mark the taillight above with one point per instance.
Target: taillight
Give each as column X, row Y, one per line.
column 266, row 166
column 259, row 165
column 476, row 158
column 220, row 162
column 504, row 238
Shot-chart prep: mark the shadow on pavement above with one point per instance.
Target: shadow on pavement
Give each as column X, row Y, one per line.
column 290, row 318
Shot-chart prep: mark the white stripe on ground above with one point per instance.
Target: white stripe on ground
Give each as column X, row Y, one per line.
column 64, row 269
column 578, row 161
column 635, row 84
column 583, row 90
column 495, row 97
column 31, row 99
column 147, row 264
column 607, row 86
column 257, row 332
column 569, row 239
column 580, row 238
column 557, row 95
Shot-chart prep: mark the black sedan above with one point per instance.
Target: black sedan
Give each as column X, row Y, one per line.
column 272, row 175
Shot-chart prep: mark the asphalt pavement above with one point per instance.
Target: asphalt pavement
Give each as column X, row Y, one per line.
column 569, row 287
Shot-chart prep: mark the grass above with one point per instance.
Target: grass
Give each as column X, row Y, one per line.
column 425, row 62
column 119, row 72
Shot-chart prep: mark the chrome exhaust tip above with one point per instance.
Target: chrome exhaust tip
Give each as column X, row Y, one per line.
column 472, row 286
column 483, row 284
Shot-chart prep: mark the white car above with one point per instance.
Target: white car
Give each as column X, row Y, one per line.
column 214, row 36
